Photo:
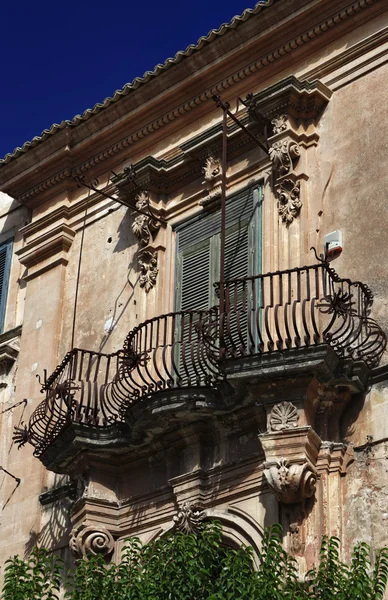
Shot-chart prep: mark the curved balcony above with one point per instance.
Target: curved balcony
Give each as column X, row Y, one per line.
column 187, row 352
column 298, row 308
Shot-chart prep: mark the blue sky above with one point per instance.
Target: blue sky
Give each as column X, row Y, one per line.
column 60, row 58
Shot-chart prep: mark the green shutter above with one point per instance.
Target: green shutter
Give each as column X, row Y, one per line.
column 5, row 267
column 193, row 277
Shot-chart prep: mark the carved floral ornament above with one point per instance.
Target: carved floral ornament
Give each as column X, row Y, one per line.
column 189, row 518
column 212, row 170
column 279, row 123
column 143, row 227
column 283, row 416
column 289, row 202
column 86, row 541
column 148, row 263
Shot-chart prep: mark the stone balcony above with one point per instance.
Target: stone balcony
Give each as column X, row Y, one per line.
column 304, row 333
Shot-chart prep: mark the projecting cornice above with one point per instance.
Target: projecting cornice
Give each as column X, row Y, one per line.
column 72, row 143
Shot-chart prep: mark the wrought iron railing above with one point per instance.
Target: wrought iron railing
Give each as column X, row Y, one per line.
column 265, row 313
column 298, row 308
column 173, row 351
column 76, row 392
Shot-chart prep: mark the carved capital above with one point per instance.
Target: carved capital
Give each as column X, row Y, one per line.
column 189, row 518
column 292, row 483
column 283, row 416
column 91, row 540
column 289, row 202
column 148, row 263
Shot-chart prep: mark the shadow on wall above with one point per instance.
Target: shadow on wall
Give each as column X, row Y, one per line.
column 56, row 527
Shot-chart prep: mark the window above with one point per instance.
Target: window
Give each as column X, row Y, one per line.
column 5, row 267
column 198, row 250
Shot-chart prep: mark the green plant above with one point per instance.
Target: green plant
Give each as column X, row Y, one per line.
column 188, row 566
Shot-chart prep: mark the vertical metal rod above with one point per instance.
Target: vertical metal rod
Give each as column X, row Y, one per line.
column 79, row 273
column 223, row 228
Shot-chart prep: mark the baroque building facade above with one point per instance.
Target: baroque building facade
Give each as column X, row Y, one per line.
column 177, row 389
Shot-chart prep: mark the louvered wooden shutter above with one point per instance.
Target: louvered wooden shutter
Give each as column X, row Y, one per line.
column 5, row 265
column 198, row 251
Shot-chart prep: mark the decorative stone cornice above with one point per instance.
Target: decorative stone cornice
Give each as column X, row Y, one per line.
column 47, row 250
column 9, row 349
column 91, row 540
column 316, row 30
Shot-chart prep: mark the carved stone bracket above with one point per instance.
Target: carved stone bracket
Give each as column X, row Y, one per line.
column 292, row 483
column 291, row 454
column 189, row 518
column 143, row 225
column 292, row 108
column 91, row 540
column 284, row 155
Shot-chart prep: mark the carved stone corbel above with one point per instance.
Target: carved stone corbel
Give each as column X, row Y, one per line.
column 143, row 227
column 291, row 453
column 292, row 108
column 292, row 483
column 91, row 540
column 284, row 155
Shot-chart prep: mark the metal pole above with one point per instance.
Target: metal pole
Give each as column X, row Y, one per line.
column 223, row 228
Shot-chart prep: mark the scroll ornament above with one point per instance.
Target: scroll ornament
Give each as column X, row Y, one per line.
column 86, row 541
column 292, row 483
column 282, row 153
column 189, row 518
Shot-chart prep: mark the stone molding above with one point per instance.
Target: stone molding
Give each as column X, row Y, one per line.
column 46, row 251
column 91, row 540
column 325, row 25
